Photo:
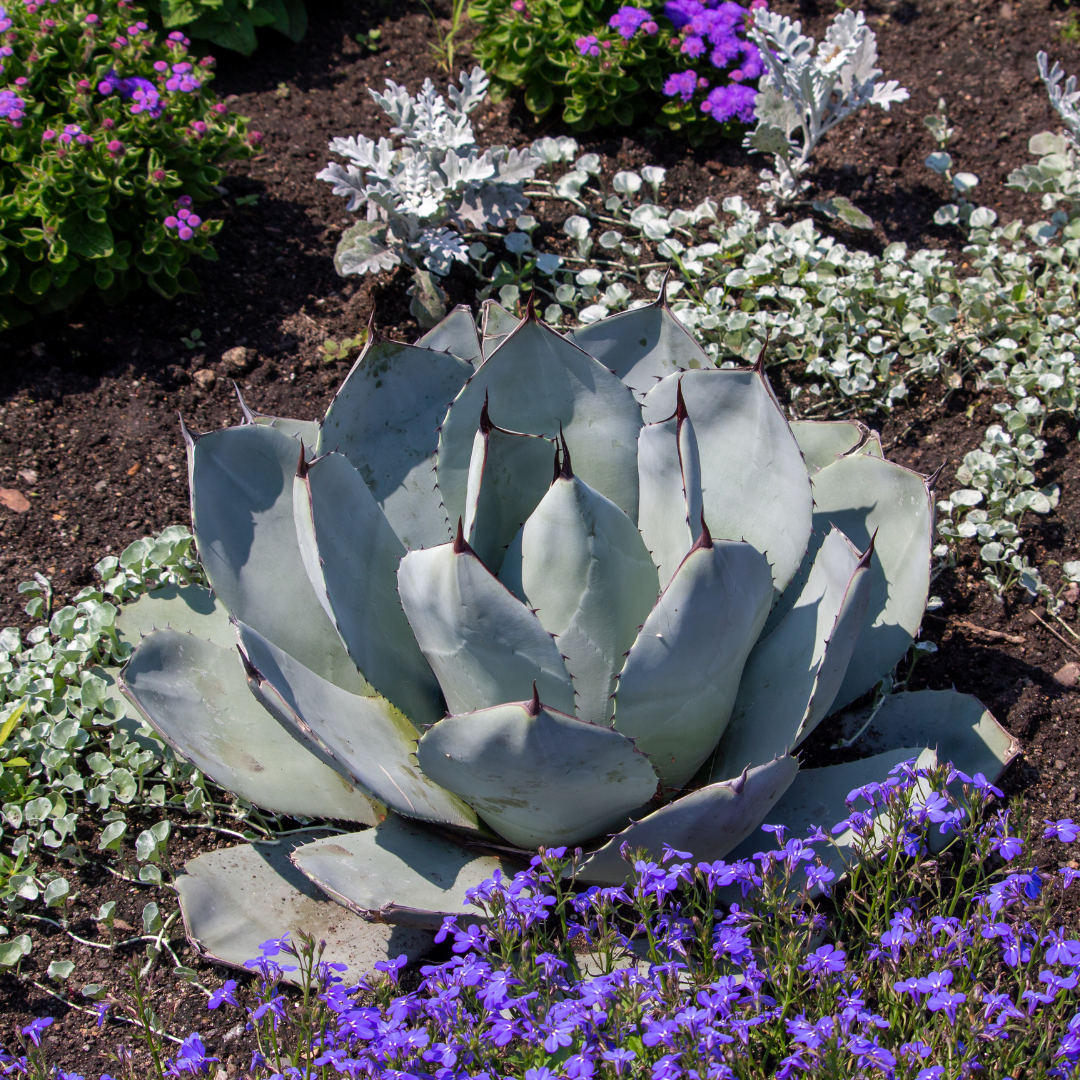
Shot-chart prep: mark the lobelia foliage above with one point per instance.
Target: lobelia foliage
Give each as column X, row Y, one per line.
column 549, row 668
column 419, row 195
column 109, row 139
column 231, row 24
column 604, row 63
column 944, row 956
column 806, row 92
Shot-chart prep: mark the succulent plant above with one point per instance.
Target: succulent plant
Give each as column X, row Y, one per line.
column 518, row 590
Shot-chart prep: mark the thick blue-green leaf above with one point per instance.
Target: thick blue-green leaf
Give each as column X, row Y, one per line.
column 399, row 873
column 862, row 495
column 537, row 383
column 195, row 696
column 823, row 441
column 678, row 685
column 641, row 346
column 754, row 483
column 236, row 899
column 497, row 325
column 792, row 675
column 351, row 556
column 958, row 726
column 483, row 644
column 457, row 335
column 367, row 736
column 190, row 609
column 508, row 475
column 242, row 513
column 385, row 420
column 536, row 775
column 588, row 575
column 708, row 823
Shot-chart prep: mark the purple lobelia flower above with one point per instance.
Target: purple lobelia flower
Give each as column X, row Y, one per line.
column 629, row 20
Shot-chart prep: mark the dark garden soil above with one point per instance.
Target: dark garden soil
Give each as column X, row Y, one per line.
column 89, row 399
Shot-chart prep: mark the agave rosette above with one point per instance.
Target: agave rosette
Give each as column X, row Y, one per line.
column 526, row 590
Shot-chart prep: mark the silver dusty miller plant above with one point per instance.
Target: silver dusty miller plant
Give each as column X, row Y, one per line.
column 420, row 194
column 808, row 92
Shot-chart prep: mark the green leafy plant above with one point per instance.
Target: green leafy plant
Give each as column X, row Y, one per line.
column 525, row 683
column 445, row 46
column 603, row 63
column 341, row 350
column 109, row 139
column 231, row 24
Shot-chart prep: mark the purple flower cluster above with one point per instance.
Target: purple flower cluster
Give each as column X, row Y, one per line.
column 11, row 107
column 714, row 29
column 629, row 20
column 588, row 45
column 184, row 222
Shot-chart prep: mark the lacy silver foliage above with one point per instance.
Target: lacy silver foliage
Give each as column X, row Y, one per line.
column 807, row 93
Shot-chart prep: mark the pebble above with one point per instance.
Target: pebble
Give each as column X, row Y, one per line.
column 1059, row 764
column 14, row 500
column 236, row 362
column 1069, row 675
column 205, row 378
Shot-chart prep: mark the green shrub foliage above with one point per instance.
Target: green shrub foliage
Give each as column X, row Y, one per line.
column 231, row 24
column 109, row 139
column 685, row 64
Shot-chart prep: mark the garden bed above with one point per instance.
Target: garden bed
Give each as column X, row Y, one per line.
column 89, row 399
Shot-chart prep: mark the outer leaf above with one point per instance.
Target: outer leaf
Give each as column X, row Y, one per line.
column 792, row 676
column 428, row 304
column 957, row 726
column 195, row 696
column 754, row 482
column 670, row 486
column 351, row 556
column 823, row 441
column 508, row 476
column 537, row 382
column 236, row 899
column 367, row 736
column 862, row 495
column 536, row 775
column 362, row 249
column 483, row 644
column 497, row 324
column 678, row 685
column 457, row 335
column 385, row 420
column 816, row 799
column 397, row 873
column 709, row 822
column 305, row 430
column 190, row 609
column 641, row 346
column 241, row 508
column 589, row 576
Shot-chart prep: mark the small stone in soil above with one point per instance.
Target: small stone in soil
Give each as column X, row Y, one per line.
column 205, row 378
column 236, row 362
column 1068, row 675
column 14, row 500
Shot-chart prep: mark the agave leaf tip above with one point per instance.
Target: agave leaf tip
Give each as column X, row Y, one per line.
column 189, row 439
column 302, row 465
column 868, row 554
column 485, row 419
column 249, row 416
column 532, row 707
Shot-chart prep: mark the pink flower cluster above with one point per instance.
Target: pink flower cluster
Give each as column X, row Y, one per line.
column 184, row 221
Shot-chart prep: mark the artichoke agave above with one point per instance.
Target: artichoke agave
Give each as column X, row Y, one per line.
column 530, row 590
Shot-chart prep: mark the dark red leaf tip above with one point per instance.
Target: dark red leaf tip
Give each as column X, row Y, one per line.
column 704, row 541
column 868, row 554
column 533, row 707
column 680, row 404
column 567, row 471
column 460, row 545
column 530, row 307
column 759, row 364
column 302, row 465
column 485, row 420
